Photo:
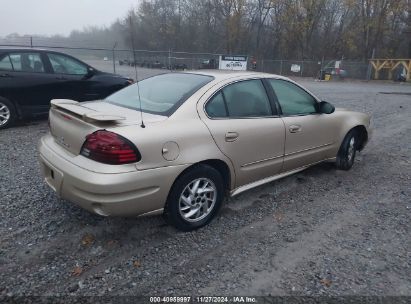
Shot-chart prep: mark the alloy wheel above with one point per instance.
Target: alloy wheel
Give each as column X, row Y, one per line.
column 351, row 149
column 197, row 200
column 4, row 114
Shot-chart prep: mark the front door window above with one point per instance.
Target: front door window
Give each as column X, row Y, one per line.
column 293, row 99
column 65, row 65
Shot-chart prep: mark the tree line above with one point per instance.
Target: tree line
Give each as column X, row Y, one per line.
column 271, row 29
column 288, row 29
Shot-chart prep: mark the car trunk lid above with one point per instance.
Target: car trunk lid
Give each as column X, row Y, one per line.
column 71, row 121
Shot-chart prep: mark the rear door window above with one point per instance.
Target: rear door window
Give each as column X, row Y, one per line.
column 5, row 64
column 27, row 62
column 242, row 99
column 247, row 99
column 216, row 106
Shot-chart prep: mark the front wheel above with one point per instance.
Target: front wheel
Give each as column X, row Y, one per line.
column 346, row 154
column 195, row 198
column 7, row 113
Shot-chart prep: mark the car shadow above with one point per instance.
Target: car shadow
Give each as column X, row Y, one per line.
column 33, row 121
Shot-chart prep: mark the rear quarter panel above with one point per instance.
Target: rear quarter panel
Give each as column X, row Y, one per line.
column 188, row 141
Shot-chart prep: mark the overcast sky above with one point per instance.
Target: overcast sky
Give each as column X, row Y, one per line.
column 48, row 17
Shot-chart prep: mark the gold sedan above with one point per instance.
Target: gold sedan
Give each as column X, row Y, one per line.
column 178, row 143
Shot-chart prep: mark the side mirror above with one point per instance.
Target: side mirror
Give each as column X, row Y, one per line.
column 326, row 107
column 90, row 73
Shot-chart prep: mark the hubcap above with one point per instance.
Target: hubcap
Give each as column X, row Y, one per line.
column 4, row 114
column 351, row 149
column 197, row 200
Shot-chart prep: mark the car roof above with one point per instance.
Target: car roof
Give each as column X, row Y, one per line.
column 29, row 49
column 220, row 75
column 24, row 49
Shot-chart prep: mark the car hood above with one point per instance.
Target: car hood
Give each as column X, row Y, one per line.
column 342, row 109
column 102, row 75
column 111, row 75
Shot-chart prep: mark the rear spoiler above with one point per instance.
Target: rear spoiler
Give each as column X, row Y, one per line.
column 86, row 114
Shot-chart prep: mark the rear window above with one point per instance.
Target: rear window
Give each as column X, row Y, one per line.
column 161, row 94
column 27, row 62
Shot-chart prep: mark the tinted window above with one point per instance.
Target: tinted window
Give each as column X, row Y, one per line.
column 65, row 65
column 216, row 107
column 27, row 62
column 161, row 94
column 247, row 99
column 5, row 64
column 293, row 100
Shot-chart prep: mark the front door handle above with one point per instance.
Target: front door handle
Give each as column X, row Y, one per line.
column 61, row 78
column 5, row 75
column 231, row 136
column 294, row 128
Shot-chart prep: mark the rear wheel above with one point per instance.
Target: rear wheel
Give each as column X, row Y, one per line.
column 195, row 198
column 346, row 154
column 7, row 113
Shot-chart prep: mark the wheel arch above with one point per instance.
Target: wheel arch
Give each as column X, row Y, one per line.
column 172, row 212
column 221, row 166
column 362, row 134
column 14, row 104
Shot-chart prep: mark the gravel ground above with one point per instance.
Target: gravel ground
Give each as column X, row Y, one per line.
column 321, row 232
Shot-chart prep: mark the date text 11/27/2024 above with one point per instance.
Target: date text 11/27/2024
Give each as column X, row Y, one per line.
column 203, row 299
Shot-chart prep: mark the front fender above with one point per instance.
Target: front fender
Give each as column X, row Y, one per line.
column 350, row 120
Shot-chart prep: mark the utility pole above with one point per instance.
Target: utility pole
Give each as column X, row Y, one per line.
column 409, row 30
column 369, row 65
column 114, row 57
column 169, row 59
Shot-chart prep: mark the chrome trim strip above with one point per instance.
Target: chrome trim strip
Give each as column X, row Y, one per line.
column 260, row 161
column 154, row 212
column 312, row 148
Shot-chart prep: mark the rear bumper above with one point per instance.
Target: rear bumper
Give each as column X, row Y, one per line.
column 109, row 194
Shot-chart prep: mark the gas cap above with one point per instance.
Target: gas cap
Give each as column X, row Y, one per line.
column 170, row 150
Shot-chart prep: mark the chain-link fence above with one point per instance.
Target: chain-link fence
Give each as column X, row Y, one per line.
column 307, row 68
column 122, row 61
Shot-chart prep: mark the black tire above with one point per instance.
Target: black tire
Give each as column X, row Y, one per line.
column 172, row 210
column 347, row 152
column 7, row 109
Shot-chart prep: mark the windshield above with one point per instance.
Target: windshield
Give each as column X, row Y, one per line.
column 161, row 94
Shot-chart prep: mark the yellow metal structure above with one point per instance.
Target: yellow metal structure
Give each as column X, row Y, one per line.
column 391, row 65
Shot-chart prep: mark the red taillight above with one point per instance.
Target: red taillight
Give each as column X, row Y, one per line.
column 109, row 148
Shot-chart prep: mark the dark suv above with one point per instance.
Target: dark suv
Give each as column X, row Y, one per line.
column 30, row 78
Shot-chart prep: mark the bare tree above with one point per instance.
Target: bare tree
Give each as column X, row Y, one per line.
column 298, row 29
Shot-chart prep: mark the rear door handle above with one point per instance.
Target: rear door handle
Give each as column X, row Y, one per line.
column 5, row 75
column 61, row 78
column 231, row 136
column 294, row 128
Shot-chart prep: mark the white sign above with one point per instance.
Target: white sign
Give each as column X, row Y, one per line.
column 295, row 68
column 337, row 64
column 235, row 63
